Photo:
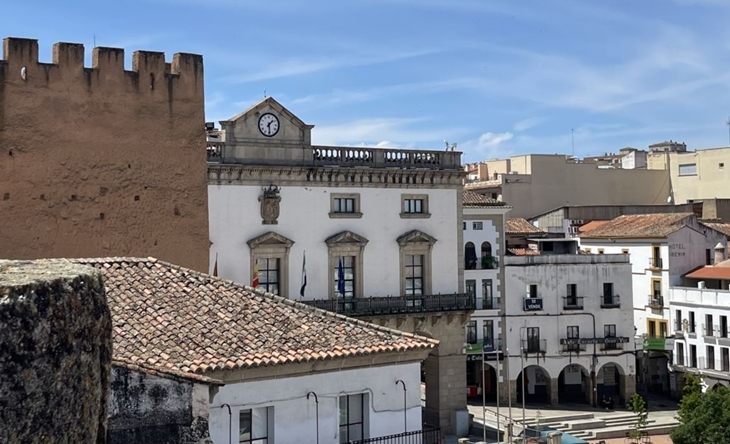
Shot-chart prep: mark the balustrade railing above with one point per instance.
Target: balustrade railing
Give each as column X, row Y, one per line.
column 426, row 436
column 385, row 157
column 370, row 306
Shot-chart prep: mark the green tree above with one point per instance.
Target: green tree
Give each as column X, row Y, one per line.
column 638, row 406
column 704, row 417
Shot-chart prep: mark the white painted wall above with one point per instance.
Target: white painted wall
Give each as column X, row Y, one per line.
column 702, row 302
column 304, row 218
column 552, row 280
column 294, row 416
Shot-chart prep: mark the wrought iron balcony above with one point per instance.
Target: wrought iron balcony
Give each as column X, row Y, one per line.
column 534, row 345
column 430, row 435
column 573, row 345
column 610, row 301
column 373, row 306
column 573, row 303
column 656, row 301
column 655, row 263
column 613, row 343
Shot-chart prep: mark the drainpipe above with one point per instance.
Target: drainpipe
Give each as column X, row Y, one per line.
column 316, row 402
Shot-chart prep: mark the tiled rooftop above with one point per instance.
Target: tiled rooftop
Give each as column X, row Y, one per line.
column 173, row 319
column 592, row 225
column 475, row 200
column 720, row 270
column 723, row 228
column 640, row 226
column 520, row 226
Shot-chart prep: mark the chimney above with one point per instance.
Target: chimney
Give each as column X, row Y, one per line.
column 701, row 285
column 719, row 253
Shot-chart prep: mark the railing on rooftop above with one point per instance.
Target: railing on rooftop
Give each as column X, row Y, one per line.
column 426, row 436
column 610, row 301
column 214, row 151
column 572, row 302
column 385, row 157
column 370, row 306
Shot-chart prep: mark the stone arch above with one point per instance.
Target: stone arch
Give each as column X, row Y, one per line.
column 611, row 382
column 470, row 256
column 537, row 383
column 574, row 384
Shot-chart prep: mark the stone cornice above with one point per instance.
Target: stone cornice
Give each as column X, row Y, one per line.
column 234, row 174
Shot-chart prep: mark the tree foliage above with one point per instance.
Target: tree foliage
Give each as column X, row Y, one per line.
column 638, row 406
column 704, row 417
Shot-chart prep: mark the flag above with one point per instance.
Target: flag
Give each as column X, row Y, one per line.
column 304, row 274
column 341, row 278
column 215, row 267
column 255, row 280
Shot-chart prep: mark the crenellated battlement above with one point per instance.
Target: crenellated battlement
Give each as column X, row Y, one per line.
column 150, row 72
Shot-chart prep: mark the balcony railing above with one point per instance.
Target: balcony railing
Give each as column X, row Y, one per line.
column 572, row 302
column 678, row 325
column 534, row 345
column 656, row 301
column 397, row 304
column 610, row 301
column 613, row 343
column 385, row 157
column 656, row 263
column 214, row 151
column 488, row 304
column 426, row 436
column 709, row 329
column 573, row 345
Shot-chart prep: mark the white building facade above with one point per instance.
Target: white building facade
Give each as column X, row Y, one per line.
column 362, row 231
column 569, row 325
column 662, row 248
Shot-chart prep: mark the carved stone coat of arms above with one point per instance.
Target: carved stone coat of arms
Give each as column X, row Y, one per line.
column 270, row 205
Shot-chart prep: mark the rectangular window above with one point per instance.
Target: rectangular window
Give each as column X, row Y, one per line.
column 708, row 256
column 608, row 299
column 663, row 329
column 656, row 256
column 345, row 277
column 710, row 357
column 253, row 426
column 600, row 251
column 464, row 225
column 269, row 275
column 533, row 340
column 532, row 291
column 708, row 326
column 680, row 353
column 624, row 251
column 411, row 206
column 471, row 332
column 688, row 169
column 471, row 287
column 477, row 225
column 352, row 418
column 692, row 322
column 344, row 205
column 488, row 332
column 721, row 165
column 573, row 332
column 725, row 359
column 677, row 320
column 693, row 356
column 609, row 331
column 487, row 295
column 652, row 329
column 723, row 326
column 572, row 290
column 656, row 288
column 414, row 275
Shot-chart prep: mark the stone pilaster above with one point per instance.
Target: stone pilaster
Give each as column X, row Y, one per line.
column 629, row 387
column 554, row 399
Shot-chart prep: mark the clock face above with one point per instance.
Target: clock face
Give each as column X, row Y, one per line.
column 268, row 125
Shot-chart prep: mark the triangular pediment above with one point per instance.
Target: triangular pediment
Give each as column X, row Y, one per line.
column 346, row 237
column 269, row 104
column 270, row 238
column 416, row 237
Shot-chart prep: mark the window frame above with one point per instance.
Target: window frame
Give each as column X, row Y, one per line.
column 271, row 245
column 687, row 166
column 477, row 225
column 266, row 414
column 423, row 214
column 416, row 243
column 363, row 420
column 346, row 244
column 471, row 332
column 264, row 286
column 355, row 214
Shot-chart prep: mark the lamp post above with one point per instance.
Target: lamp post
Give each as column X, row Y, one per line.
column 484, row 391
column 229, row 421
column 405, row 410
column 316, row 403
column 509, row 397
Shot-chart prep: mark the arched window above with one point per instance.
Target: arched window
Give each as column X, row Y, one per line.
column 470, row 256
column 488, row 261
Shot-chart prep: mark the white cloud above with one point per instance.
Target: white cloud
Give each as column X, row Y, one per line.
column 526, row 124
column 400, row 132
column 493, row 139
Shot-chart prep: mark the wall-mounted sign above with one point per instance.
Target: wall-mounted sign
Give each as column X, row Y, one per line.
column 612, row 340
column 533, row 304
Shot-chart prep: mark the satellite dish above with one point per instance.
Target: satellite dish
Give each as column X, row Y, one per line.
column 669, row 199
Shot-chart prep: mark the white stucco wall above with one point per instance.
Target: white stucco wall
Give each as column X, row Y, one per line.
column 552, row 280
column 304, row 218
column 294, row 415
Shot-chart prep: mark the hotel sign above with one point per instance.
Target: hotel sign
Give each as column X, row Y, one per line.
column 533, row 304
column 617, row 340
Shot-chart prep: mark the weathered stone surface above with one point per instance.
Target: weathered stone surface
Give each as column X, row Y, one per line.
column 55, row 353
column 154, row 410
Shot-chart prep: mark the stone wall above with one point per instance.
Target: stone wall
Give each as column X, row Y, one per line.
column 101, row 161
column 55, row 353
column 152, row 409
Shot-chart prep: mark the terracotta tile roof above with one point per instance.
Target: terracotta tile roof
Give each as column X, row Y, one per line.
column 640, row 226
column 520, row 226
column 591, row 225
column 523, row 251
column 471, row 200
column 173, row 319
column 720, row 270
column 721, row 227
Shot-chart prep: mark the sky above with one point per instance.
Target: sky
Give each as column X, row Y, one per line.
column 498, row 77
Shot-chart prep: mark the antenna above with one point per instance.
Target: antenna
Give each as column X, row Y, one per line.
column 264, row 93
column 95, row 45
column 572, row 139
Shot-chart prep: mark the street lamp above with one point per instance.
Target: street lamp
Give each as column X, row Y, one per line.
column 405, row 410
column 485, row 352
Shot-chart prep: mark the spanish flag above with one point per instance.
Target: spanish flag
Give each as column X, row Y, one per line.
column 255, row 280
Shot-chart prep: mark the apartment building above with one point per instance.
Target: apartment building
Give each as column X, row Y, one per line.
column 695, row 175
column 661, row 248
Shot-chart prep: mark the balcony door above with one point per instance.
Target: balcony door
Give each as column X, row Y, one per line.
column 533, row 339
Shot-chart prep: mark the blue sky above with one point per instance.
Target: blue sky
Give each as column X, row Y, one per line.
column 498, row 77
